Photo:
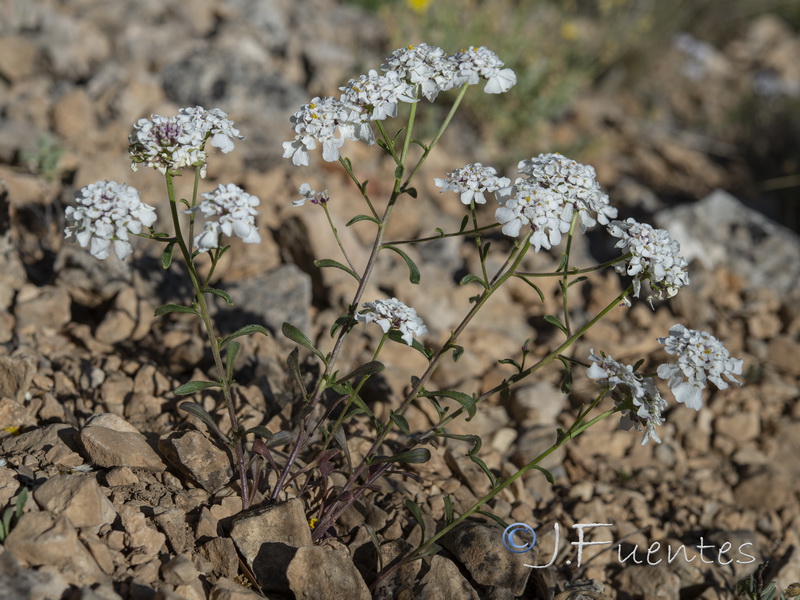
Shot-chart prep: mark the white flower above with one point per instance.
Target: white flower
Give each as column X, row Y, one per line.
column 228, row 210
column 107, row 211
column 169, row 144
column 471, row 181
column 630, row 388
column 374, row 97
column 654, row 257
column 311, row 195
column 527, row 203
column 701, row 357
column 576, row 182
column 475, row 64
column 319, row 121
column 423, row 65
column 393, row 314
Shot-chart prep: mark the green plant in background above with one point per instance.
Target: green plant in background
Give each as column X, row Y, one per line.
column 44, row 160
column 12, row 514
column 753, row 587
column 552, row 200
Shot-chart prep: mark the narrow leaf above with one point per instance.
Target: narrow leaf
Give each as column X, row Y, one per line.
column 374, row 539
column 281, row 438
column 261, row 431
column 416, row 512
column 448, row 510
column 411, row 192
column 412, row 267
column 298, row 337
column 417, row 455
column 554, row 320
column 365, row 370
column 398, row 172
column 242, row 331
column 230, row 358
column 470, row 278
column 166, row 255
column 534, row 286
column 327, row 262
column 222, row 294
column 6, row 528
column 494, row 518
column 510, row 361
column 457, row 352
column 194, row 386
column 174, row 308
column 292, row 361
column 468, row 402
column 340, row 439
column 577, row 280
column 22, row 498
column 485, row 250
column 201, row 413
column 431, row 550
column 396, row 336
column 358, row 218
column 464, row 222
column 401, row 422
column 547, row 474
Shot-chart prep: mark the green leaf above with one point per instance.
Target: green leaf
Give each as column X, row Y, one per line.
column 201, row 413
column 166, row 255
column 566, row 380
column 281, row 438
column 246, row 330
column 376, row 544
column 510, row 361
column 468, row 402
column 358, row 218
column 230, row 358
column 448, row 510
column 174, row 308
column 417, row 455
column 470, row 278
column 293, row 362
column 473, row 453
column 398, row 172
column 8, row 513
column 261, row 431
column 344, row 321
column 396, row 336
column 485, row 250
column 493, row 517
column 221, row 293
column 412, row 268
column 340, row 439
column 194, row 386
column 464, row 222
column 298, row 337
column 327, row 262
column 411, row 192
column 431, row 550
column 359, row 402
column 547, row 474
column 365, row 370
column 457, row 352
column 416, row 512
column 401, row 422
column 534, row 286
column 22, row 498
column 554, row 320
column 577, row 280
column 440, row 231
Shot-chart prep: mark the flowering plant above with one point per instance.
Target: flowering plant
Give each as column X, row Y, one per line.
column 552, row 200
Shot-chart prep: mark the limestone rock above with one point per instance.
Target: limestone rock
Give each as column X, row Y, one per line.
column 318, row 572
column 196, row 456
column 77, row 497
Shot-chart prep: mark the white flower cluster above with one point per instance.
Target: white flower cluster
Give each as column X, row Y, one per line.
column 529, row 204
column 228, row 210
column 701, row 358
column 407, row 73
column 107, row 212
column 471, row 181
column 654, row 257
column 169, row 144
column 628, row 387
column 393, row 314
column 311, row 196
column 575, row 182
column 426, row 66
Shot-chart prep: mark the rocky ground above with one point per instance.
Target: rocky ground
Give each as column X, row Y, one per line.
column 129, row 498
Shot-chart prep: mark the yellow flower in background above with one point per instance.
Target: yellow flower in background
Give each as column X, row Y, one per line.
column 12, row 429
column 569, row 30
column 312, row 523
column 418, row 6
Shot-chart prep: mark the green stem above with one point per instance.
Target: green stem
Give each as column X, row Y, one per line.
column 336, row 235
column 213, row 340
column 444, row 235
column 474, row 214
